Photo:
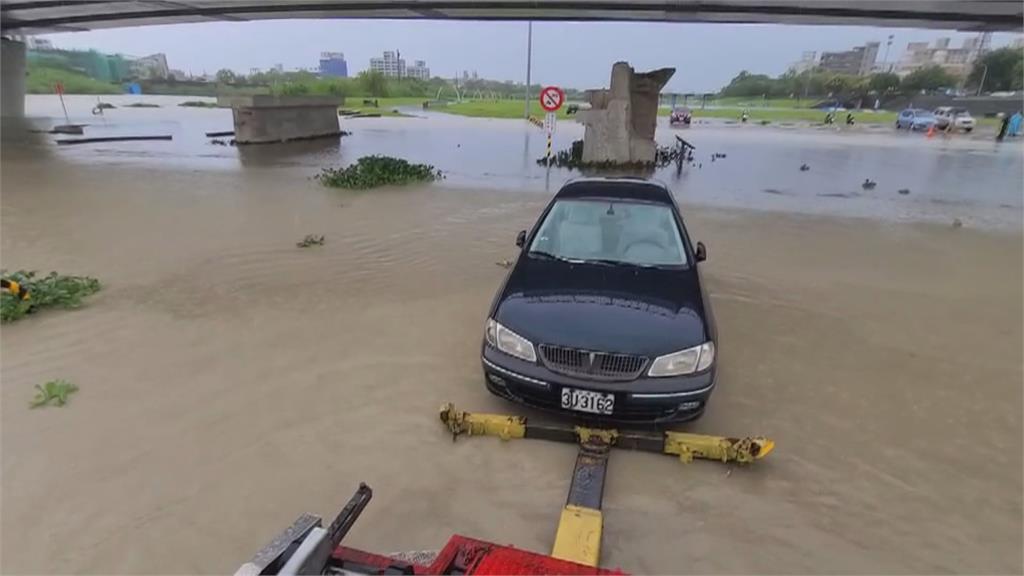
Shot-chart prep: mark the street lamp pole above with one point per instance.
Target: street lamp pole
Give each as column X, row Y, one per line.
column 529, row 54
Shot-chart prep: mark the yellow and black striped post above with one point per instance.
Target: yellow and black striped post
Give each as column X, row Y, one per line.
column 547, row 155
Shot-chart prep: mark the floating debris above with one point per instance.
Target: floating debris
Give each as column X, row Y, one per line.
column 114, row 139
column 663, row 156
column 903, row 191
column 311, row 240
column 198, row 104
column 504, row 263
column 804, row 167
column 98, row 109
column 220, row 134
column 141, row 105
column 868, row 184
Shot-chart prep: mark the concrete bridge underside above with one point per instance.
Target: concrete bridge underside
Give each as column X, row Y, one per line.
column 37, row 16
column 26, row 17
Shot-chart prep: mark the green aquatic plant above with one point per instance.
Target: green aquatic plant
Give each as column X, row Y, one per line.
column 34, row 293
column 55, row 391
column 374, row 171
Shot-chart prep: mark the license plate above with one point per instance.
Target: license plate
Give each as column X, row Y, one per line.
column 587, row 401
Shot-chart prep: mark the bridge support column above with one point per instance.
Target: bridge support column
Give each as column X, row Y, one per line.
column 12, row 79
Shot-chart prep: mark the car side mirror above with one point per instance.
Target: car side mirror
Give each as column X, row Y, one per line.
column 521, row 238
column 701, row 253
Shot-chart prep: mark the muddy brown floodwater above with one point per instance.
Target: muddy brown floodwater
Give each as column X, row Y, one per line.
column 230, row 381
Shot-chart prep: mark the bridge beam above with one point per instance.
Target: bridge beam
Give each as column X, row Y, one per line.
column 12, row 79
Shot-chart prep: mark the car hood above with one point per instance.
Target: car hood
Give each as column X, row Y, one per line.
column 625, row 309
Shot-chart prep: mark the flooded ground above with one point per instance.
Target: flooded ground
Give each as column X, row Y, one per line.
column 970, row 177
column 230, row 381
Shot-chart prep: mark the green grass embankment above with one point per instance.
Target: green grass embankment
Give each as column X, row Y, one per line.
column 43, row 80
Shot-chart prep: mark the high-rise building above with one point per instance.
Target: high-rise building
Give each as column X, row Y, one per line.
column 857, row 61
column 333, row 64
column 808, row 60
column 391, row 65
column 418, row 70
column 153, row 66
column 956, row 61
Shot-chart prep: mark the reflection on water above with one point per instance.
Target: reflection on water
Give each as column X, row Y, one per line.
column 946, row 178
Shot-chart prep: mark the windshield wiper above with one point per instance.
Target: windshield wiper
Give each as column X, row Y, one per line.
column 624, row 264
column 545, row 255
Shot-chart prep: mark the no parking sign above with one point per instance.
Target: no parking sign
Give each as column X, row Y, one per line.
column 552, row 98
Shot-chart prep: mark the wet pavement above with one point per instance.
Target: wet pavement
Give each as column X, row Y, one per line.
column 968, row 177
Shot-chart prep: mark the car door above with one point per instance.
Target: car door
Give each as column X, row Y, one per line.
column 904, row 119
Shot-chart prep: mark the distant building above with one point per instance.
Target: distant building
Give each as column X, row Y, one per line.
column 391, row 65
column 36, row 43
column 153, row 66
column 808, row 60
column 418, row 70
column 279, row 68
column 956, row 61
column 856, row 62
column 333, row 64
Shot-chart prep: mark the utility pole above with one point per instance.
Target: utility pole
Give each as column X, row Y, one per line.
column 529, row 54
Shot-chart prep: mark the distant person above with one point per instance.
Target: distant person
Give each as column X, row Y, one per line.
column 745, row 116
column 1003, row 126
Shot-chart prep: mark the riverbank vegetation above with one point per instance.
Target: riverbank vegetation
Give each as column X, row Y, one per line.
column 51, row 291
column 374, row 171
column 496, row 109
column 43, row 79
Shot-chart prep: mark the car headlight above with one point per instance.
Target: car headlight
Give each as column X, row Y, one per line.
column 509, row 342
column 686, row 361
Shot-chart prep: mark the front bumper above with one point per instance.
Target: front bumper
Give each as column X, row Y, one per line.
column 641, row 401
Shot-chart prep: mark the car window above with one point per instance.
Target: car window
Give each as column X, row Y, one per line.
column 613, row 230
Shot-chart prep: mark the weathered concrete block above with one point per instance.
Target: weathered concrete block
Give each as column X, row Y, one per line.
column 262, row 118
column 621, row 121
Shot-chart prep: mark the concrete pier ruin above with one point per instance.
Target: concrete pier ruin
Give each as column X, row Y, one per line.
column 621, row 121
column 263, row 119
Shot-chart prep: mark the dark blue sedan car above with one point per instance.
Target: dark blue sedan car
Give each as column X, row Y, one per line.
column 604, row 314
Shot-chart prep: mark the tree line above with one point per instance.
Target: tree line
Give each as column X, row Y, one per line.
column 999, row 70
column 376, row 85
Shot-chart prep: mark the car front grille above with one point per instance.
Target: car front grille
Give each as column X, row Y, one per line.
column 588, row 364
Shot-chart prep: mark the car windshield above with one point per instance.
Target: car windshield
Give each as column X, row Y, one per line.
column 611, row 231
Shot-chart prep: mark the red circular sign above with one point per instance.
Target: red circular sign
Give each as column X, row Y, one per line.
column 552, row 98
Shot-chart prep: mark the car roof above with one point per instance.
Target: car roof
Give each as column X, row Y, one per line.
column 624, row 187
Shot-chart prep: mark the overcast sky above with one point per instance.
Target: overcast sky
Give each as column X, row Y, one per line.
column 576, row 55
